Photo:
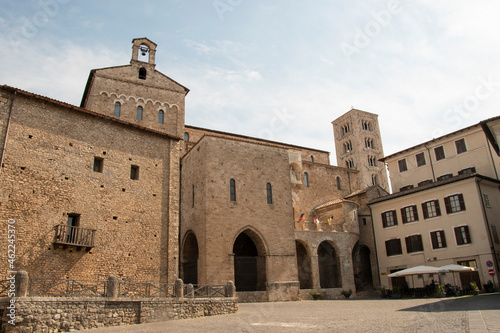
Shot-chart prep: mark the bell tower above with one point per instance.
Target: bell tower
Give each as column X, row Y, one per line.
column 358, row 145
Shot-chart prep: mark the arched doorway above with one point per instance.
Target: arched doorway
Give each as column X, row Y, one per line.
column 329, row 268
column 362, row 267
column 249, row 263
column 190, row 259
column 303, row 266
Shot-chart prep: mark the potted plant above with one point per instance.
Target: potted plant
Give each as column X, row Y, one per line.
column 383, row 292
column 316, row 294
column 474, row 288
column 396, row 292
column 489, row 287
column 439, row 291
column 347, row 293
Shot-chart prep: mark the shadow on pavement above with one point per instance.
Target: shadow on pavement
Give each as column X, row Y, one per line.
column 464, row 303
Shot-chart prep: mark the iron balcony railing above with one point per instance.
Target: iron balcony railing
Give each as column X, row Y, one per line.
column 74, row 236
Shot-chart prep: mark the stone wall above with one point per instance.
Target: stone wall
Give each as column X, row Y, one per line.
column 53, row 314
column 47, row 173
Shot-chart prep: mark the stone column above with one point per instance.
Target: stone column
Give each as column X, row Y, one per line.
column 22, row 281
column 315, row 272
column 112, row 291
column 179, row 288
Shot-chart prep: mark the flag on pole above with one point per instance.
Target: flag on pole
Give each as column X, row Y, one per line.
column 301, row 217
column 329, row 220
column 316, row 220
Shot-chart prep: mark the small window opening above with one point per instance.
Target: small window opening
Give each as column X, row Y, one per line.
column 161, row 117
column 186, row 137
column 232, row 190
column 134, row 172
column 139, row 112
column 98, row 164
column 142, row 73
column 269, row 193
column 118, row 107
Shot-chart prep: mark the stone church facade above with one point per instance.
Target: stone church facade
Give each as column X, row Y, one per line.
column 121, row 186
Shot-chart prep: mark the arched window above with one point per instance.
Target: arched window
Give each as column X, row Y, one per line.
column 186, row 136
column 306, row 179
column 139, row 113
column 374, row 180
column 118, row 108
column 142, row 73
column 161, row 116
column 312, row 158
column 232, row 190
column 338, row 183
column 269, row 193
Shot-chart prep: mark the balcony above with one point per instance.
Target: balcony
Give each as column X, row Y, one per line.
column 73, row 236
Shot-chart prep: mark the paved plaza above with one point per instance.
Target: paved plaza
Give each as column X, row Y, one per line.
column 473, row 314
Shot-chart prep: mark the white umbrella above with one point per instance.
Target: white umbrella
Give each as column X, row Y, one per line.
column 418, row 270
column 457, row 268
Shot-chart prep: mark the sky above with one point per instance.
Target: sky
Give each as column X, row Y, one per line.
column 281, row 70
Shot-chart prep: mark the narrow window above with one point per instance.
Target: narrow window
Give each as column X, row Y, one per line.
column 118, row 108
column 306, row 179
column 142, row 73
column 414, row 243
column 350, row 164
column 402, row 165
column 338, row 183
column 312, row 158
column 371, row 161
column 468, row 171
column 269, row 193
column 98, row 164
column 454, row 203
column 462, row 235
column 139, row 113
column 420, row 159
column 161, row 116
column 461, row 147
column 438, row 239
column 193, row 198
column 232, row 190
column 409, row 214
column 389, row 219
column 374, row 180
column 439, row 152
column 186, row 137
column 134, row 172
column 431, row 209
column 393, row 247
column 443, row 177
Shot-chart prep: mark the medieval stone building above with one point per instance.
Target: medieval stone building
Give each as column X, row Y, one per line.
column 121, row 186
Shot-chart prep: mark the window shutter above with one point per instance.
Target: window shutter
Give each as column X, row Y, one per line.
column 403, row 215
column 388, row 248
column 447, row 205
column 420, row 243
column 384, row 220
column 443, row 239
column 415, row 212
column 467, row 234
column 394, row 217
column 458, row 236
column 438, row 210
column 434, row 239
column 461, row 200
column 424, row 209
column 409, row 248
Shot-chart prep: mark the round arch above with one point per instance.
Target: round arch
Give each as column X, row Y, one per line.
column 189, row 258
column 249, row 251
column 361, row 260
column 304, row 268
column 329, row 265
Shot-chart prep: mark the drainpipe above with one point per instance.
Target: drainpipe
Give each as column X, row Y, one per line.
column 7, row 126
column 490, row 237
column 432, row 166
